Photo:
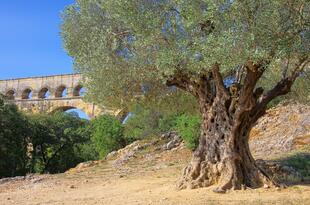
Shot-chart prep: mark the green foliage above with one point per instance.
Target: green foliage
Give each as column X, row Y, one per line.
column 122, row 45
column 174, row 112
column 39, row 143
column 188, row 127
column 143, row 123
column 107, row 135
column 14, row 134
column 148, row 122
column 158, row 116
column 52, row 143
column 168, row 122
column 87, row 151
column 58, row 141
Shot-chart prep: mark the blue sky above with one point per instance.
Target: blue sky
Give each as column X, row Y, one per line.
column 30, row 43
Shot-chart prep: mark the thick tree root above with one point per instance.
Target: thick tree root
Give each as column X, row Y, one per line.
column 225, row 175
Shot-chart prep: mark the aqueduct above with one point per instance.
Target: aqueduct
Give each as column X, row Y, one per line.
column 49, row 94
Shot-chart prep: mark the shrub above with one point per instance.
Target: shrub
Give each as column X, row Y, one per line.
column 87, row 151
column 142, row 123
column 107, row 135
column 168, row 122
column 188, row 126
column 154, row 116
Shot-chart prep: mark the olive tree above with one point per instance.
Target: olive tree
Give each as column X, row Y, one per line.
column 197, row 46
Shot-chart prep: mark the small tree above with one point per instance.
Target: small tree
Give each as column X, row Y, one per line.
column 195, row 45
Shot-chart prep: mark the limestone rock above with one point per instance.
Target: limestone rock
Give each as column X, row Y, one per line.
column 83, row 165
column 124, row 158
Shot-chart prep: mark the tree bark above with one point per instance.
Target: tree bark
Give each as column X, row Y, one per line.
column 223, row 156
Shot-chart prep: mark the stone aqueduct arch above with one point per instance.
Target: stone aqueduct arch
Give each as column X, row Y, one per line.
column 49, row 94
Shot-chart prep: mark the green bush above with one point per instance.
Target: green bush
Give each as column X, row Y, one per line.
column 188, row 127
column 155, row 116
column 143, row 123
column 87, row 151
column 168, row 122
column 107, row 135
column 165, row 114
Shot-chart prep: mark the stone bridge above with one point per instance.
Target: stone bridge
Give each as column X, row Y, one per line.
column 49, row 94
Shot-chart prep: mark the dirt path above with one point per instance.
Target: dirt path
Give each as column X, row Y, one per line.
column 148, row 177
column 156, row 188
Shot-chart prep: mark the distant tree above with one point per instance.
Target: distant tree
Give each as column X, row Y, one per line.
column 57, row 141
column 196, row 46
column 14, row 137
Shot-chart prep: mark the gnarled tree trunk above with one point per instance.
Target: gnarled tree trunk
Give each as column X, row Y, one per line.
column 223, row 156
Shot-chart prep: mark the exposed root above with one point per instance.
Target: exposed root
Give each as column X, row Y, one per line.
column 225, row 175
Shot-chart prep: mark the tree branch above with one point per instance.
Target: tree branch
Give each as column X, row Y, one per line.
column 183, row 81
column 284, row 85
column 253, row 74
column 201, row 87
column 281, row 88
column 221, row 90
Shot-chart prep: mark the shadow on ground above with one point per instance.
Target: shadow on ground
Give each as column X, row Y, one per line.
column 293, row 169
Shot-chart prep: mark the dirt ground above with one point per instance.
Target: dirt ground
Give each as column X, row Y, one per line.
column 145, row 179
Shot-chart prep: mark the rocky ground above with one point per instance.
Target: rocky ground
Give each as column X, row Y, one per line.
column 145, row 172
column 283, row 129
